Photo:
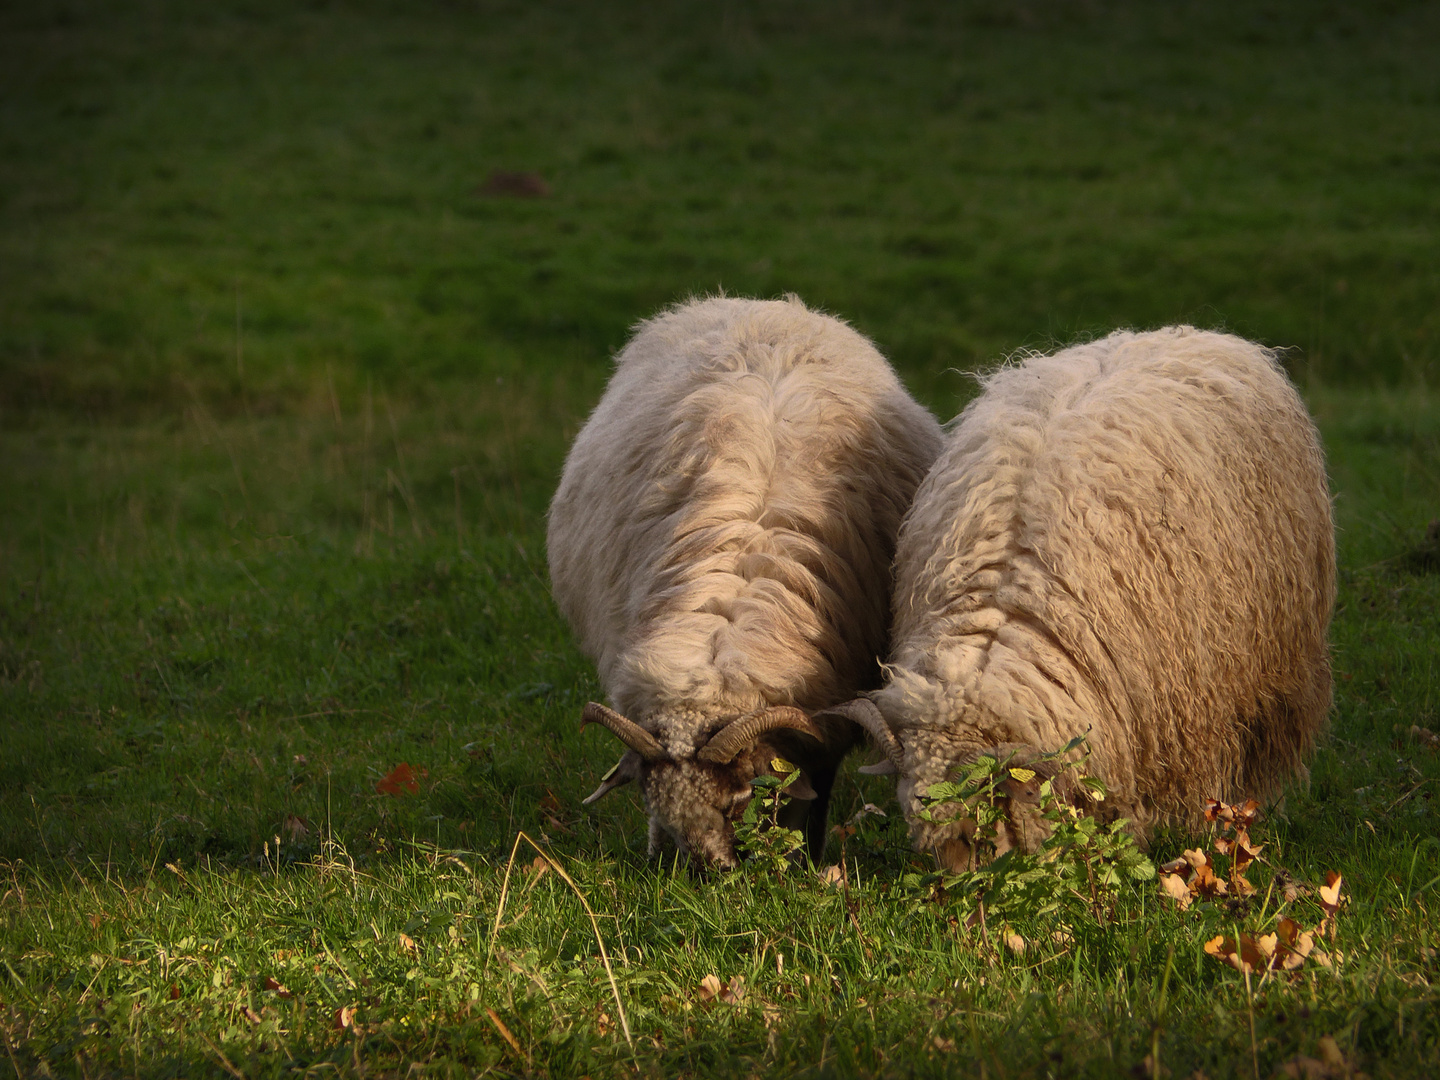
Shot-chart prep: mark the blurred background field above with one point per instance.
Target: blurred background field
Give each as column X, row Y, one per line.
column 287, row 375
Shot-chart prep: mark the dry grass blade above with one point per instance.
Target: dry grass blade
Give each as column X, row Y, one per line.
column 589, row 912
column 505, row 1034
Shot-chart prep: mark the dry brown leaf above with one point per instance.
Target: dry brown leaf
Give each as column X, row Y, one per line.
column 1332, row 1064
column 734, row 991
column 1330, row 892
column 277, row 988
column 249, row 1014
column 832, row 875
column 1242, row 955
column 1425, row 737
column 295, row 827
column 407, row 944
column 399, row 780
column 344, row 1017
column 1173, row 886
column 174, row 992
column 1014, row 942
column 709, row 988
column 942, row 1044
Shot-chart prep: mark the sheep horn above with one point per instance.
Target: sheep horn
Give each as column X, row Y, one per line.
column 620, row 774
column 739, row 734
column 864, row 712
column 627, row 731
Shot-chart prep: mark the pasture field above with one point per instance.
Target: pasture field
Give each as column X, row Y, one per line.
column 285, row 387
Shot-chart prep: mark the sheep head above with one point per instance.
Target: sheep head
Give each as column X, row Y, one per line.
column 695, row 794
column 920, row 756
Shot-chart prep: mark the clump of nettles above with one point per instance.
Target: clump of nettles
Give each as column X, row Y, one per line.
column 1079, row 867
column 766, row 844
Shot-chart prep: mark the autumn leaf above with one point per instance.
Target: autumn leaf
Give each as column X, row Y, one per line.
column 249, row 1014
column 1014, row 942
column 734, row 991
column 832, row 875
column 1330, row 1065
column 709, row 988
column 1175, row 887
column 277, row 988
column 344, row 1017
column 398, row 781
column 174, row 992
column 1237, row 950
column 407, row 945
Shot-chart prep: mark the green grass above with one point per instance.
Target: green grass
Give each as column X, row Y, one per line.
column 248, row 567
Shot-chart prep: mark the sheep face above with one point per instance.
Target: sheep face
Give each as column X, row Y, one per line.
column 695, row 804
column 696, row 792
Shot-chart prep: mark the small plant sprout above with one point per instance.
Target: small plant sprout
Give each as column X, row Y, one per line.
column 766, row 844
column 1078, row 867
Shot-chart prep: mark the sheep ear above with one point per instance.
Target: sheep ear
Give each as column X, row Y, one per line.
column 620, row 774
column 880, row 768
column 801, row 788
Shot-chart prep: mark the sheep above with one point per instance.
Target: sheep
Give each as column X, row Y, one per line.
column 1131, row 540
column 721, row 541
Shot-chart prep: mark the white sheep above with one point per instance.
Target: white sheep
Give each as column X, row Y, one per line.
column 1130, row 539
column 721, row 544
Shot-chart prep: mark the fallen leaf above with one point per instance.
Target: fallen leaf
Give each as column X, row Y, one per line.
column 943, row 1045
column 407, row 944
column 1330, row 1065
column 1425, row 737
column 1242, row 955
column 1174, row 886
column 832, row 875
column 709, row 988
column 174, row 992
column 398, row 781
column 1330, row 892
column 1014, row 942
column 249, row 1014
column 734, row 991
column 277, row 988
column 344, row 1017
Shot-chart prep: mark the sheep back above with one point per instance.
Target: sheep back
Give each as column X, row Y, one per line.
column 1130, row 538
column 722, row 534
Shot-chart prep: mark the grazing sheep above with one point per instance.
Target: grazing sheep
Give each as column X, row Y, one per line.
column 1130, row 538
column 721, row 543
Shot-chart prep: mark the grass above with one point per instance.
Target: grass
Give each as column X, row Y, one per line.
column 283, row 400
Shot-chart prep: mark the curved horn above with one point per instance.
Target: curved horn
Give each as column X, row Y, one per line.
column 620, row 774
column 738, row 734
column 627, row 731
column 864, row 712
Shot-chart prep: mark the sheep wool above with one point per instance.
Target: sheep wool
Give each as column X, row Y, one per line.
column 1130, row 539
column 721, row 542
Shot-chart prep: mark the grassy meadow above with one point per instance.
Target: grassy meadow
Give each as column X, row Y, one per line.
column 285, row 388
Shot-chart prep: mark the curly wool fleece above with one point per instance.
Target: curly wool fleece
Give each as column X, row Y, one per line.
column 1132, row 539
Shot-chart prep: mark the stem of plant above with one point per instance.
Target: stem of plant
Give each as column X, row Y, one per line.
column 1160, row 1013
